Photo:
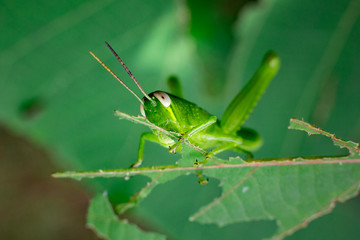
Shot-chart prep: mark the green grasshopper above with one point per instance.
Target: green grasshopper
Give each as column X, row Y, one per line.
column 174, row 120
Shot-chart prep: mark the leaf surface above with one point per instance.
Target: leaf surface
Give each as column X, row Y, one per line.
column 293, row 192
column 105, row 222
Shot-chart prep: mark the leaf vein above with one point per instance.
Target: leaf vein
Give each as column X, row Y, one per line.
column 218, row 200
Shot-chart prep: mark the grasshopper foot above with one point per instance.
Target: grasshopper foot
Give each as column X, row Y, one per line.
column 172, row 149
column 136, row 164
column 196, row 163
column 200, row 164
column 202, row 180
column 248, row 154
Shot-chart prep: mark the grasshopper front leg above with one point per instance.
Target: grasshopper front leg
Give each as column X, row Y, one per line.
column 149, row 136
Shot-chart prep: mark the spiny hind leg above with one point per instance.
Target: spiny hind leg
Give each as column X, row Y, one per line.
column 249, row 154
column 251, row 140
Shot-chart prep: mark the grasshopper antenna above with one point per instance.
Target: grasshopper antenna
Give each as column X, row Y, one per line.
column 112, row 73
column 128, row 71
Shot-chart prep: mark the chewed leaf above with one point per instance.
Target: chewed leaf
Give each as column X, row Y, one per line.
column 293, row 195
column 310, row 129
column 292, row 191
column 103, row 220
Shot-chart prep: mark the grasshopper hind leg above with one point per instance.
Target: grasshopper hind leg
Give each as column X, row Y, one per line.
column 202, row 180
column 249, row 154
column 251, row 140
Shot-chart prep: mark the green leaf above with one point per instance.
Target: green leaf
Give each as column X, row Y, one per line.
column 291, row 191
column 102, row 219
column 351, row 146
column 292, row 195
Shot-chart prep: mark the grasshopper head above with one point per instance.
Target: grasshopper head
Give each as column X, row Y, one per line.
column 156, row 110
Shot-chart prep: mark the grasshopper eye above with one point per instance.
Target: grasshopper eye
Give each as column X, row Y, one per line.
column 142, row 111
column 163, row 98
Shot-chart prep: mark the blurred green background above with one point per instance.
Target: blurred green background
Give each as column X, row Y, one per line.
column 56, row 102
